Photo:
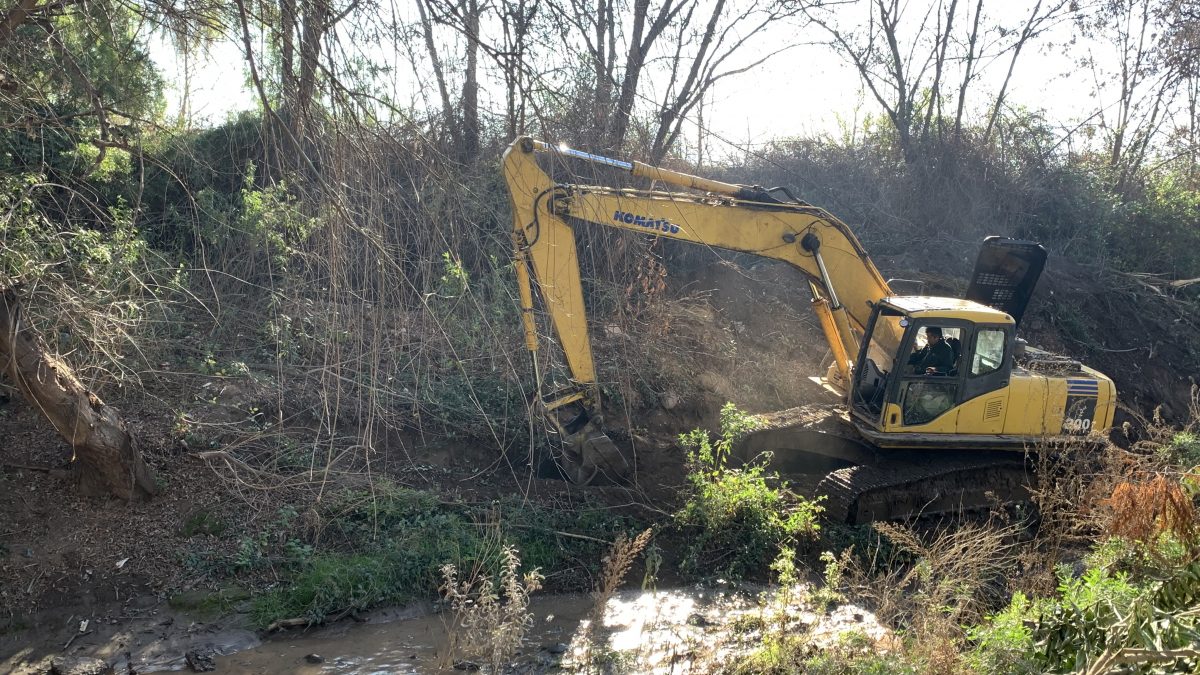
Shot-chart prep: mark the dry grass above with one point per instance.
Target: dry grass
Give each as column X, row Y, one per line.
column 489, row 622
column 1071, row 482
column 616, row 565
column 617, row 561
column 958, row 575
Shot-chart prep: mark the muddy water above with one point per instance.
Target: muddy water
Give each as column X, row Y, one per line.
column 396, row 643
column 675, row 631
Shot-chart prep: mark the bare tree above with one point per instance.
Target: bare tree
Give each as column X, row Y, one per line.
column 517, row 20
column 1041, row 17
column 970, row 63
column 594, row 25
column 905, row 60
column 893, row 70
column 700, row 62
column 1181, row 53
column 439, row 74
column 1144, row 82
column 648, row 26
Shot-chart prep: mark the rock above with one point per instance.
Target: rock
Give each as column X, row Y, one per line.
column 314, row 658
column 79, row 665
column 200, row 660
column 557, row 648
column 669, row 400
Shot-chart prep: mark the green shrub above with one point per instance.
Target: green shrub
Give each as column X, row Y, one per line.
column 1094, row 618
column 1185, row 448
column 1004, row 643
column 736, row 520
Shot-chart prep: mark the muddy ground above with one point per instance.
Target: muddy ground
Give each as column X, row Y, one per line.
column 732, row 332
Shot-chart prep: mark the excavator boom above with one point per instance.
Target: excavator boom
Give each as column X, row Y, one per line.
column 844, row 280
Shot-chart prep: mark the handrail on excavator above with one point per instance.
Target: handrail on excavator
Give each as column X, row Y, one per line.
column 640, row 170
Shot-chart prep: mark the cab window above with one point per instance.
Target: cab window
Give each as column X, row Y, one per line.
column 989, row 352
column 953, row 339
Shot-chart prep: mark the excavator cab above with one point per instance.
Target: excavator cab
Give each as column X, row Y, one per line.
column 892, row 393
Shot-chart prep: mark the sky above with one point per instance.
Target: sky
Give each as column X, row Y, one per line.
column 807, row 90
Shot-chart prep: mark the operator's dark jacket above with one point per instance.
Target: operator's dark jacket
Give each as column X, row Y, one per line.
column 939, row 356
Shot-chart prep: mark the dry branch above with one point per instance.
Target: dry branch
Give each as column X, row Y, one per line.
column 106, row 458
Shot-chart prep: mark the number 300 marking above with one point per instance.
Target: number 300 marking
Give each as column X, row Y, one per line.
column 1077, row 425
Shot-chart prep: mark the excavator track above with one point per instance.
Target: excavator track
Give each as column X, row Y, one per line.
column 899, row 488
column 883, row 484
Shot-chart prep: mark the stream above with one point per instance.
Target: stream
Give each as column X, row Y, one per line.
column 668, row 631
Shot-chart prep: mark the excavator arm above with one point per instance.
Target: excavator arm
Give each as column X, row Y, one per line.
column 843, row 281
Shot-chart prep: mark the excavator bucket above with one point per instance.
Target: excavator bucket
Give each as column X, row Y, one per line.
column 590, row 457
column 1006, row 272
column 600, row 452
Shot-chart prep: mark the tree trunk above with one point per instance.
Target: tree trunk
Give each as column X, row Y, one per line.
column 106, row 458
column 470, row 90
column 315, row 27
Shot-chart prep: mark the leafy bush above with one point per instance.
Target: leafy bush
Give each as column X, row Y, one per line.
column 1185, row 448
column 738, row 523
column 1004, row 643
column 93, row 287
column 1100, row 618
column 1097, row 621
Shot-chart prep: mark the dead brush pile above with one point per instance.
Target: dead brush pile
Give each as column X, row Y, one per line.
column 1143, row 511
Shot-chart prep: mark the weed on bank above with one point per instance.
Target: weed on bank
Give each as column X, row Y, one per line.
column 362, row 548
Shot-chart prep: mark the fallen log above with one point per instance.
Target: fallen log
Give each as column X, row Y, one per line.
column 106, row 459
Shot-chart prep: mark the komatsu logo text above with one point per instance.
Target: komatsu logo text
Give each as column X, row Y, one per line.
column 656, row 224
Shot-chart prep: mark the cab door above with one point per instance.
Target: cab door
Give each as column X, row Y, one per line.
column 987, row 370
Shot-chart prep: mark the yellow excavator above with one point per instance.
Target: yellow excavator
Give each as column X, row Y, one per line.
column 921, row 435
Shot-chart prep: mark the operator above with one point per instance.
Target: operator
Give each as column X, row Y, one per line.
column 936, row 357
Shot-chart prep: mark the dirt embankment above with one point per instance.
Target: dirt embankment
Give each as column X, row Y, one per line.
column 1139, row 334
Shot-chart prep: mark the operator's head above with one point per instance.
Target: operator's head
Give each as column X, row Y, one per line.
column 933, row 334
